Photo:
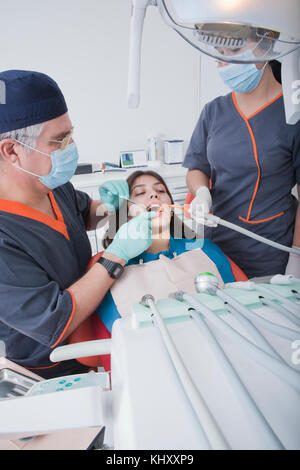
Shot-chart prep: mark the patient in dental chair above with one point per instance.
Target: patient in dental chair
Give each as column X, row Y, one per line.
column 171, row 239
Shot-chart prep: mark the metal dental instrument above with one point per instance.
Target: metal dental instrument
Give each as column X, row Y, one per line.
column 285, row 309
column 282, row 310
column 277, row 367
column 286, row 279
column 154, row 208
column 250, row 285
column 209, row 284
column 129, row 200
column 279, row 330
column 207, row 421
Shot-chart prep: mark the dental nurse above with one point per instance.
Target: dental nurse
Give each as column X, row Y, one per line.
column 244, row 161
column 45, row 290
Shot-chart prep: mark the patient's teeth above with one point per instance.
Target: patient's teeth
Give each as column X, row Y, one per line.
column 154, row 208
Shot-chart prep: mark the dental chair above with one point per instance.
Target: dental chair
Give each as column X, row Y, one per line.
column 90, row 330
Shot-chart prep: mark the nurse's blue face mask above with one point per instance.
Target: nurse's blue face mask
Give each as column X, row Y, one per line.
column 64, row 163
column 242, row 78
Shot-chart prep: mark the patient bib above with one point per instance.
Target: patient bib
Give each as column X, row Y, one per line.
column 161, row 278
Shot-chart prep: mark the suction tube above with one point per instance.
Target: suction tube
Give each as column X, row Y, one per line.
column 206, row 420
column 269, row 440
column 237, row 228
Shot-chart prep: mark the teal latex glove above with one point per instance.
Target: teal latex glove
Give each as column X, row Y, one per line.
column 111, row 191
column 133, row 238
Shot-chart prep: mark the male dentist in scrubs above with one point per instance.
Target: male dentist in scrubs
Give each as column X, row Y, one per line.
column 45, row 291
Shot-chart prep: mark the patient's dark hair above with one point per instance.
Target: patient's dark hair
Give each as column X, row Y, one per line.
column 177, row 228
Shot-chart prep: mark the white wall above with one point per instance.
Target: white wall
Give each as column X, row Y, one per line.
column 210, row 83
column 83, row 45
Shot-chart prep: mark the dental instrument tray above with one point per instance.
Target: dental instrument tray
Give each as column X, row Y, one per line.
column 13, row 384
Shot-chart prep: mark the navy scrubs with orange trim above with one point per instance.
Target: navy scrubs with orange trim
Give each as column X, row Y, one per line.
column 39, row 259
column 253, row 164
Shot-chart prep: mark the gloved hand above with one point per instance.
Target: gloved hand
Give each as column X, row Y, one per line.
column 201, row 205
column 293, row 266
column 110, row 193
column 133, row 238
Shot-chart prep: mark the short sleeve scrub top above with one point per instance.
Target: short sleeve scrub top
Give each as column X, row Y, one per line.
column 40, row 258
column 253, row 163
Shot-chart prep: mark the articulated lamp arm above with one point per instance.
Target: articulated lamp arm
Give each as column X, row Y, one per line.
column 136, row 30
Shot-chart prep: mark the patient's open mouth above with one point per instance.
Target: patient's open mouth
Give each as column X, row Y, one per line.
column 154, row 208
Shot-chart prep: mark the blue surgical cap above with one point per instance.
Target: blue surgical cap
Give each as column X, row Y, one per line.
column 28, row 98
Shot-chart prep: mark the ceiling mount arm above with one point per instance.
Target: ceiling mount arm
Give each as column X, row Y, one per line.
column 136, row 30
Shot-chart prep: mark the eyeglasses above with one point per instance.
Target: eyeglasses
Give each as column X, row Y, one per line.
column 63, row 143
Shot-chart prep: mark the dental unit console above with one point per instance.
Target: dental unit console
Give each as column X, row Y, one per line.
column 216, row 368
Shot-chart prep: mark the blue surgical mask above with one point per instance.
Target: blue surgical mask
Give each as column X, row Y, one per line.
column 64, row 163
column 242, row 78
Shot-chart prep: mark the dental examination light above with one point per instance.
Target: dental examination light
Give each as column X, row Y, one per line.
column 222, row 29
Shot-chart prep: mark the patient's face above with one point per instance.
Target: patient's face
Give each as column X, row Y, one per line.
column 148, row 191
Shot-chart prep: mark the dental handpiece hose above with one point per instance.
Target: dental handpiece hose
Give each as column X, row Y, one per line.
column 237, row 228
column 211, row 428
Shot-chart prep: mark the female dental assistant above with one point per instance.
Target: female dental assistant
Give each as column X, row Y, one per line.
column 243, row 162
column 44, row 249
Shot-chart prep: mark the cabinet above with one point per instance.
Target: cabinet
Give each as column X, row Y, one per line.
column 174, row 176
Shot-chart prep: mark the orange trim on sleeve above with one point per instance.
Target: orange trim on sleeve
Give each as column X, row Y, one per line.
column 41, row 368
column 69, row 321
column 30, row 213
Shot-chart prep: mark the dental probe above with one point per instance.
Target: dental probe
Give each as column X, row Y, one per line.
column 129, row 200
column 154, row 208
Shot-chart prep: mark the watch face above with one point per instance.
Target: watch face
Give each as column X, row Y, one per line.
column 117, row 271
column 114, row 269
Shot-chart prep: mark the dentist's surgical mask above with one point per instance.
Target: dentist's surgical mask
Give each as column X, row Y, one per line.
column 64, row 163
column 242, row 78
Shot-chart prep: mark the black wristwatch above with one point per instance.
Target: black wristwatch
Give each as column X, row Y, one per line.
column 114, row 269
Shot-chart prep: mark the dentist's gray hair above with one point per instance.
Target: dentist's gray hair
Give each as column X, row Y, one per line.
column 27, row 135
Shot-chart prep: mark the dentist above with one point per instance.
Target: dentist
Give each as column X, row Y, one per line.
column 44, row 249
